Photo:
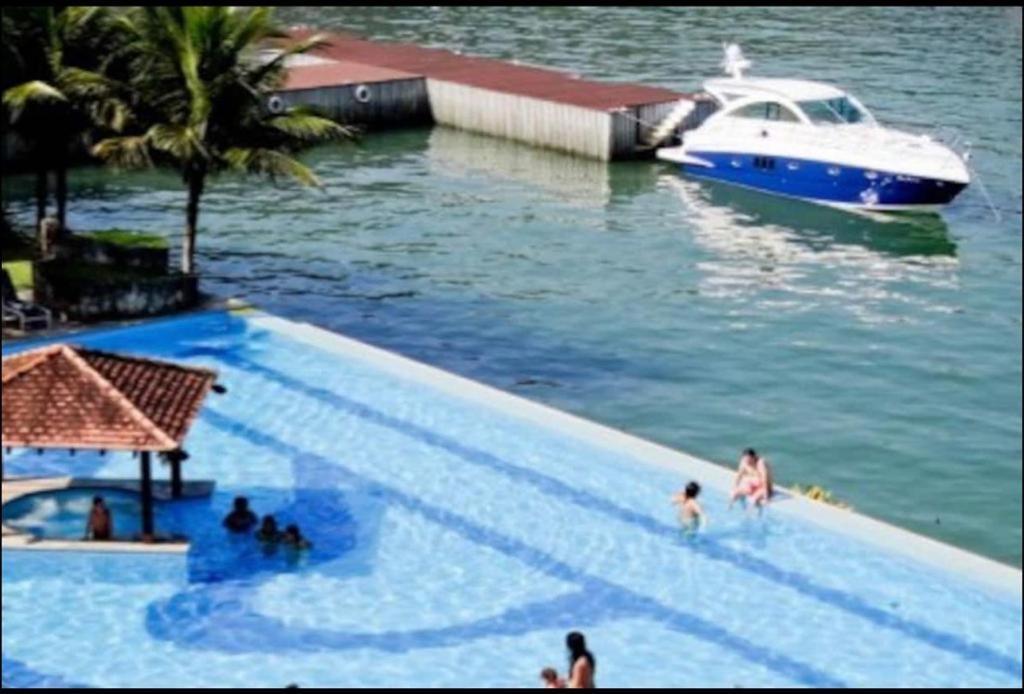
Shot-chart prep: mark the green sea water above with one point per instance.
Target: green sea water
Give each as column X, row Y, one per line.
column 880, row 359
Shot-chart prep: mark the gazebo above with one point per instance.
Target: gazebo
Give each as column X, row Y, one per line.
column 68, row 397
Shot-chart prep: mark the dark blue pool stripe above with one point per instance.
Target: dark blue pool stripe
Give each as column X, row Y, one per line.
column 973, row 651
column 627, row 601
column 18, row 675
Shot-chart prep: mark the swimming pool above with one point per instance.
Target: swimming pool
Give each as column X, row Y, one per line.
column 454, row 545
column 62, row 513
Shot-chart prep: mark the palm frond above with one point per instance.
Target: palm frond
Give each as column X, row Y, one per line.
column 252, row 28
column 270, row 163
column 96, row 95
column 76, row 82
column 35, row 92
column 111, row 113
column 269, row 73
column 127, row 152
column 307, row 127
column 180, row 141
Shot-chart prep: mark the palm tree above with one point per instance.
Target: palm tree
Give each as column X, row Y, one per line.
column 200, row 88
column 54, row 89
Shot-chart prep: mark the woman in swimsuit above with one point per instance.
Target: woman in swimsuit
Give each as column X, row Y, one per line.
column 581, row 662
column 753, row 481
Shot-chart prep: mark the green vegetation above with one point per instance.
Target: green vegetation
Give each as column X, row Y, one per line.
column 54, row 87
column 20, row 272
column 126, row 238
column 819, row 493
column 18, row 252
column 197, row 96
column 181, row 87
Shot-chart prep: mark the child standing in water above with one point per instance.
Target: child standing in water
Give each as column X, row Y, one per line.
column 691, row 515
column 551, row 678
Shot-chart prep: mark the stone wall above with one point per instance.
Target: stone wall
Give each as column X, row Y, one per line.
column 85, row 249
column 91, row 295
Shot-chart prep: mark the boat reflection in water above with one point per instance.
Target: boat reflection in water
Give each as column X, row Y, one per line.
column 819, row 227
column 572, row 180
column 898, row 234
column 782, row 253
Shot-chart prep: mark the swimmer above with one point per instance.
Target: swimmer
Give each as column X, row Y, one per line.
column 691, row 515
column 100, row 526
column 268, row 531
column 581, row 662
column 241, row 519
column 293, row 538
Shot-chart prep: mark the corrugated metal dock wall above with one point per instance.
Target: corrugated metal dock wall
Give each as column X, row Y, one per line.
column 534, row 121
column 537, row 106
column 385, row 104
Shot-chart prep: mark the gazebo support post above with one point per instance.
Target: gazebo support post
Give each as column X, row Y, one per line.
column 147, row 496
column 176, row 486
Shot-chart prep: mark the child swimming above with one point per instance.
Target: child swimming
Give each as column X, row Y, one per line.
column 691, row 515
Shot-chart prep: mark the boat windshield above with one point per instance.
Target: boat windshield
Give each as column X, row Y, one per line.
column 840, row 110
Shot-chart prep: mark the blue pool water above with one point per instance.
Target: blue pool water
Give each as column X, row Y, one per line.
column 62, row 514
column 455, row 545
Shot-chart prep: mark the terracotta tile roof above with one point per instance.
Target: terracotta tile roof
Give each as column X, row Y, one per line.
column 64, row 396
column 488, row 73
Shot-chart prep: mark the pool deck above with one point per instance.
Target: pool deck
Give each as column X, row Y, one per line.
column 17, row 487
column 70, row 329
column 987, row 573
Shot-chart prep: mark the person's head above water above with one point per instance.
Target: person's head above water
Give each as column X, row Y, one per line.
column 269, row 523
column 293, row 530
column 692, row 490
column 97, row 501
column 241, row 504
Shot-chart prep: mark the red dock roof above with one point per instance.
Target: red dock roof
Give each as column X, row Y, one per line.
column 339, row 72
column 487, row 73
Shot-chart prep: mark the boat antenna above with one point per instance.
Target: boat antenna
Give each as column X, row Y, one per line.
column 734, row 63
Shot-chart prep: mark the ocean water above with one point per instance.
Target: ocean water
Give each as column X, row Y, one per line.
column 879, row 359
column 454, row 543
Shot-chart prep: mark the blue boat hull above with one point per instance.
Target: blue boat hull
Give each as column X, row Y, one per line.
column 825, row 183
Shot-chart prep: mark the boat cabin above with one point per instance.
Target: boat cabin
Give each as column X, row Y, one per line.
column 787, row 100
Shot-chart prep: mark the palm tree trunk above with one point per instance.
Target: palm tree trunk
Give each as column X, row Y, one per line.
column 41, row 191
column 195, row 181
column 62, row 192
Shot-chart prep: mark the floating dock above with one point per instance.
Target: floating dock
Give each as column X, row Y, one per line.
column 386, row 84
